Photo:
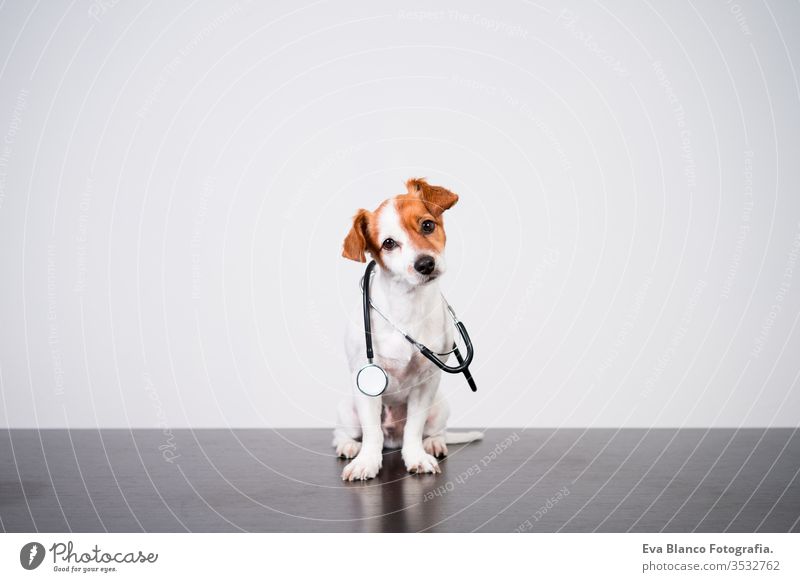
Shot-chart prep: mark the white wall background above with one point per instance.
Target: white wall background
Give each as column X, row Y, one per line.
column 176, row 180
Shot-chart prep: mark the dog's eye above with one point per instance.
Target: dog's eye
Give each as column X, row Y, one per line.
column 389, row 244
column 428, row 226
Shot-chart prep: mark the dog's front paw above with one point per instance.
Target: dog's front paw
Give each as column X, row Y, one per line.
column 363, row 467
column 435, row 445
column 348, row 449
column 421, row 462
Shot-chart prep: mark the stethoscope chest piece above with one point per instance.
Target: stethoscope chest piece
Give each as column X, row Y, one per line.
column 372, row 380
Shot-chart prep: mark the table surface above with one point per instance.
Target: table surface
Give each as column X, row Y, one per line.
column 571, row 480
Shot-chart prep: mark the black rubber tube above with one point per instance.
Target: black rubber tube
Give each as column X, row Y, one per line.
column 367, row 321
column 467, row 374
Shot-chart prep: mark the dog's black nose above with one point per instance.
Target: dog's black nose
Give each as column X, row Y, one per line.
column 425, row 264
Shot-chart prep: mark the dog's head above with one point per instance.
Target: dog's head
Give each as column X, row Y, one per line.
column 405, row 234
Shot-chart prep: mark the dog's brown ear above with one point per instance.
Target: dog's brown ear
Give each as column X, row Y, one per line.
column 436, row 198
column 355, row 243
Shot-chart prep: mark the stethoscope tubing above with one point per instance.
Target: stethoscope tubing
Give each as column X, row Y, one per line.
column 367, row 315
column 463, row 362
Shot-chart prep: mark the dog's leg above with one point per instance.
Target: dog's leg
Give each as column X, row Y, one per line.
column 368, row 461
column 435, row 425
column 420, row 402
column 348, row 429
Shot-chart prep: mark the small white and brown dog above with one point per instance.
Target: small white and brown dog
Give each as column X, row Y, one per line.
column 405, row 235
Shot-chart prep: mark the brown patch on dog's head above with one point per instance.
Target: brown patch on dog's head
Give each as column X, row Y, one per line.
column 424, row 203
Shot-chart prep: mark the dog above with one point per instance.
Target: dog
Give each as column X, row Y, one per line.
column 405, row 236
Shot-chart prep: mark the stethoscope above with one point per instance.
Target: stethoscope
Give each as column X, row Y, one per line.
column 372, row 380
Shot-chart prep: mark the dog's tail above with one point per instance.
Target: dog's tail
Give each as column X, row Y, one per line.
column 456, row 438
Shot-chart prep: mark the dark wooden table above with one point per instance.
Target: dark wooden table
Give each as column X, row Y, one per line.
column 289, row 481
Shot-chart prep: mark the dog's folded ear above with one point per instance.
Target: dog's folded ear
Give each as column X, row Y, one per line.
column 436, row 198
column 355, row 243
